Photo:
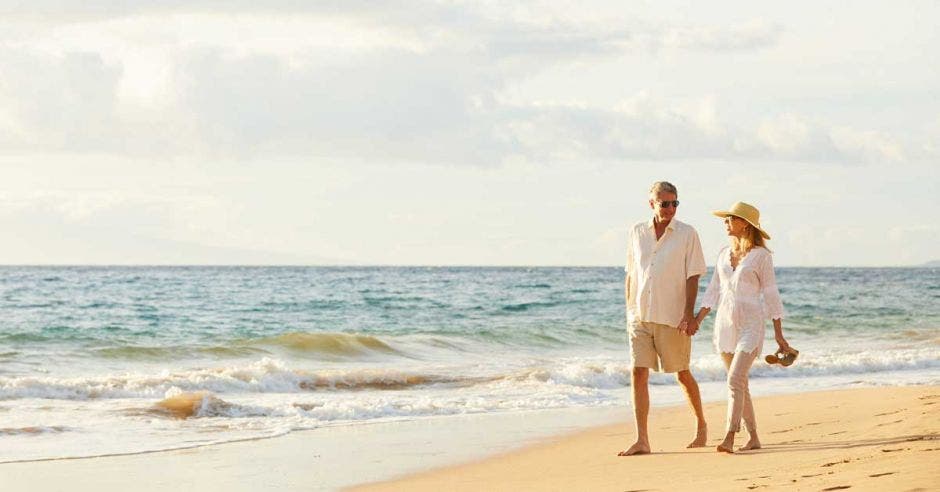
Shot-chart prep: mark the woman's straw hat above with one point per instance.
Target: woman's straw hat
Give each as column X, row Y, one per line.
column 745, row 211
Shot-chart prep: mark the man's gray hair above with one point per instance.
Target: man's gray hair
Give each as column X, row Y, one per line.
column 663, row 187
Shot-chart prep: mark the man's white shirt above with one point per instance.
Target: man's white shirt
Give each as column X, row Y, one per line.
column 657, row 271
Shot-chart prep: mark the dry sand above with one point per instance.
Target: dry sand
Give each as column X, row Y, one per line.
column 860, row 439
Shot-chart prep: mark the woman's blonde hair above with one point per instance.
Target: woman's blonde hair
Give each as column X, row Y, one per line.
column 740, row 246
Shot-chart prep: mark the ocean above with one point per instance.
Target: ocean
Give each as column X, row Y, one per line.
column 110, row 360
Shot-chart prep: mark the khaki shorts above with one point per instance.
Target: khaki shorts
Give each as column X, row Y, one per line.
column 653, row 343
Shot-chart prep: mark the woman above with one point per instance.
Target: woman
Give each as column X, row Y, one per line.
column 745, row 284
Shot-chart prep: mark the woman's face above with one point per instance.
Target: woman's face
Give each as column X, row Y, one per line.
column 735, row 226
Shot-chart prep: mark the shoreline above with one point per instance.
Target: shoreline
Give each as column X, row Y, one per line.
column 325, row 458
column 541, row 450
column 866, row 438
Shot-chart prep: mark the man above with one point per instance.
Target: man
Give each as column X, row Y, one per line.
column 664, row 262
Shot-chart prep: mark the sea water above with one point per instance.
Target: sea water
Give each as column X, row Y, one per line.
column 110, row 360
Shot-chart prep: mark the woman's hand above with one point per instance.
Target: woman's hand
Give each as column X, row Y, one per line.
column 778, row 335
column 784, row 346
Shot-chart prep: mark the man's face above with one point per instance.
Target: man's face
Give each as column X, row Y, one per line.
column 663, row 206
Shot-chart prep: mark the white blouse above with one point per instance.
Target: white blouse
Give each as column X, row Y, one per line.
column 748, row 294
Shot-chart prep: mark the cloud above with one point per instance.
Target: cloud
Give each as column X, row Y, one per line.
column 648, row 127
column 790, row 136
column 750, row 35
column 866, row 145
column 367, row 81
column 639, row 127
column 58, row 102
column 527, row 29
column 390, row 105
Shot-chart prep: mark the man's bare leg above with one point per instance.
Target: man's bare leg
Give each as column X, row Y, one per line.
column 641, row 410
column 690, row 386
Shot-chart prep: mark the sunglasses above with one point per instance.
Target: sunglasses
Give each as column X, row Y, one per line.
column 668, row 203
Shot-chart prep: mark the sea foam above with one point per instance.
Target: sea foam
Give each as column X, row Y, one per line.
column 271, row 375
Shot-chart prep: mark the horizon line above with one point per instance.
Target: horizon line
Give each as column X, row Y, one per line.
column 931, row 264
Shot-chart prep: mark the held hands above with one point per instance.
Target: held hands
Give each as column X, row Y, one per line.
column 688, row 326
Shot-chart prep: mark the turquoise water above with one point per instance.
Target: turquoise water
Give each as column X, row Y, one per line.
column 86, row 353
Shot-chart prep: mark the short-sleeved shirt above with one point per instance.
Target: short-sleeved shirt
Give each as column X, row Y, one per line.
column 657, row 271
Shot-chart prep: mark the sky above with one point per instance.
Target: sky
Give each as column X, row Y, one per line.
column 463, row 133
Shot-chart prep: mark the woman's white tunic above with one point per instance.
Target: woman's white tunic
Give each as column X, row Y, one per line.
column 746, row 296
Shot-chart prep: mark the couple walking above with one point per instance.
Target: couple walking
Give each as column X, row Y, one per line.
column 664, row 263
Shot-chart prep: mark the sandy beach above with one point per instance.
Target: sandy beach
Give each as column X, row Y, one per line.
column 885, row 438
column 861, row 439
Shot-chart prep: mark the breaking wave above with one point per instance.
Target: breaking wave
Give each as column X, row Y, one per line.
column 270, row 375
column 325, row 345
column 339, row 344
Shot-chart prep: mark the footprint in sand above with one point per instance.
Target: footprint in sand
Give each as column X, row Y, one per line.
column 887, row 413
column 889, row 423
column 929, row 397
column 882, row 474
column 893, row 450
column 839, row 487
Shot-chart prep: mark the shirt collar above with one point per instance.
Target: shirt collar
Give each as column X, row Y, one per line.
column 671, row 226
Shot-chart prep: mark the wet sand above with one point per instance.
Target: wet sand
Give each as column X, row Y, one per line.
column 326, row 458
column 860, row 439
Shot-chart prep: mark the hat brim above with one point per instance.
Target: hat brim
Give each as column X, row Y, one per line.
column 723, row 214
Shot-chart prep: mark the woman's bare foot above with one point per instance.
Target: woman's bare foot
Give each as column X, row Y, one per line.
column 722, row 449
column 752, row 443
column 637, row 448
column 701, row 438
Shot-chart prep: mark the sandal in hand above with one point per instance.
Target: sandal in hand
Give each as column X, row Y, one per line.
column 785, row 359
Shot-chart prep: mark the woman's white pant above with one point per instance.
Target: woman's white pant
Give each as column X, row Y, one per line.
column 739, row 398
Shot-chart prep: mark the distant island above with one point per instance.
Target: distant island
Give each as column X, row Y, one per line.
column 934, row 263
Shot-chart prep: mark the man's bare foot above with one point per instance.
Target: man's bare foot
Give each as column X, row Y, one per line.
column 701, row 438
column 727, row 446
column 637, row 448
column 753, row 443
